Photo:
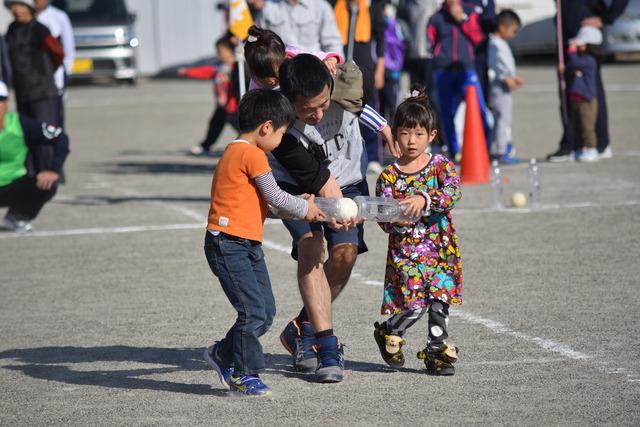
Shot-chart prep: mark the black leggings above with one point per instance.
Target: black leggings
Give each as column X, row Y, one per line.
column 216, row 124
column 23, row 198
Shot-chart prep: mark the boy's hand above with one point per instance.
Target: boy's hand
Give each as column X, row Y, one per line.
column 182, row 71
column 511, row 83
column 456, row 11
column 414, row 205
column 519, row 80
column 314, row 213
column 331, row 64
column 394, row 148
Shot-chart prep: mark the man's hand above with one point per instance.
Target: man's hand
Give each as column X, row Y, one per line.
column 379, row 74
column 331, row 64
column 258, row 4
column 344, row 224
column 46, row 179
column 593, row 21
column 394, row 148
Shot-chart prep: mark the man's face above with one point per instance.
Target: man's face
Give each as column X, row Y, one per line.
column 4, row 105
column 311, row 110
column 21, row 12
column 41, row 4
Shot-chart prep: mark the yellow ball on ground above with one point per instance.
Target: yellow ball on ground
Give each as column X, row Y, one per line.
column 518, row 200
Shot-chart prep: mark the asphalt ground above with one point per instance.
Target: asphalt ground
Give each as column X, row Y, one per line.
column 107, row 305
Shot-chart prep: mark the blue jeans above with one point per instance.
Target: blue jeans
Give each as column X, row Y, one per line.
column 239, row 265
column 452, row 87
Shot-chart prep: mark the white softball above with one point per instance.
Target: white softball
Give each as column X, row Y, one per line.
column 518, row 200
column 347, row 209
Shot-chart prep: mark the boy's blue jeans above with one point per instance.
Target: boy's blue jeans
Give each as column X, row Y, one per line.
column 240, row 267
column 452, row 87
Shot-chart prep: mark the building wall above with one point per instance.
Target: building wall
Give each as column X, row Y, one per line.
column 170, row 31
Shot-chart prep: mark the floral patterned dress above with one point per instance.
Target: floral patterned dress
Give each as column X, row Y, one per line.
column 423, row 260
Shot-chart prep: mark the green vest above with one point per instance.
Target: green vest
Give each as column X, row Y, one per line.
column 13, row 150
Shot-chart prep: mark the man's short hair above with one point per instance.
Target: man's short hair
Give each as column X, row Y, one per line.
column 508, row 17
column 305, row 76
column 261, row 105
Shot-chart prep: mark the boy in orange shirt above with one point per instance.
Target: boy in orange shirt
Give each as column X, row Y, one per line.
column 242, row 188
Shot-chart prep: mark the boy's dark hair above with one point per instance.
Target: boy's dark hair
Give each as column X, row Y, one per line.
column 225, row 41
column 415, row 111
column 264, row 52
column 305, row 76
column 509, row 17
column 261, row 105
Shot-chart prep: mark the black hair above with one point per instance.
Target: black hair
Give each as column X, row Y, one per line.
column 264, row 52
column 305, row 76
column 261, row 105
column 415, row 111
column 509, row 17
column 225, row 41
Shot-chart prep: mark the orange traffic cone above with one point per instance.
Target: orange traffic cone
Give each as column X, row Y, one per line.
column 475, row 158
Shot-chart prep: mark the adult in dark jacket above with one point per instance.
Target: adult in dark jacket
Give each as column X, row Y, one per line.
column 574, row 14
column 31, row 158
column 486, row 9
column 35, row 55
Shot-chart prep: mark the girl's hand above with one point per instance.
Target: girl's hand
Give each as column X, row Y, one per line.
column 331, row 64
column 414, row 205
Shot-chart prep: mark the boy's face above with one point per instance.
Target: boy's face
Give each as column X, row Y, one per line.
column 270, row 138
column 508, row 32
column 225, row 54
column 311, row 110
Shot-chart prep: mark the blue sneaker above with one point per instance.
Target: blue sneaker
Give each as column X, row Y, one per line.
column 214, row 360
column 508, row 159
column 299, row 340
column 330, row 360
column 248, row 385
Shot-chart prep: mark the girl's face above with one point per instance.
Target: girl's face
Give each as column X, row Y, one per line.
column 414, row 141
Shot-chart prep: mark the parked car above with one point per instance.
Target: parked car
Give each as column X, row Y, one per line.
column 105, row 40
column 623, row 37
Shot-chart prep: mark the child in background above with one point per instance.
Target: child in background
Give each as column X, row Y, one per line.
column 502, row 81
column 394, row 52
column 582, row 88
column 225, row 86
column 242, row 188
column 424, row 269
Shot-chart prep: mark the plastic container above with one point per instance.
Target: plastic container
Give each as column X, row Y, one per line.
column 381, row 209
column 534, row 184
column 497, row 186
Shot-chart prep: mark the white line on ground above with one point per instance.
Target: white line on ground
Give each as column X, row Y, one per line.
column 103, row 230
column 548, row 88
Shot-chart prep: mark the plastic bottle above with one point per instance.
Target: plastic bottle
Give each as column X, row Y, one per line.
column 381, row 209
column 497, row 187
column 534, row 184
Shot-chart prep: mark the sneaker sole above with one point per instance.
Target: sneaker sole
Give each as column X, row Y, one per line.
column 564, row 159
column 238, row 393
column 215, row 367
column 329, row 378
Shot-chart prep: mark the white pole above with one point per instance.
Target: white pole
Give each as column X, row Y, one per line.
column 240, row 60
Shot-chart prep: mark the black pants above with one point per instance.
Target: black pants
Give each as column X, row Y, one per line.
column 216, row 124
column 568, row 141
column 43, row 110
column 23, row 198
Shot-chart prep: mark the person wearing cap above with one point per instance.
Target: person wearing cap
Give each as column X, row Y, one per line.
column 582, row 66
column 58, row 23
column 35, row 55
column 31, row 158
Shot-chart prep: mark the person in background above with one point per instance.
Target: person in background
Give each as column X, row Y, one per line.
column 35, row 55
column 365, row 23
column 31, row 159
column 575, row 14
column 486, row 9
column 454, row 31
column 225, row 87
column 307, row 24
column 5, row 67
column 502, row 81
column 583, row 91
column 59, row 25
column 394, row 56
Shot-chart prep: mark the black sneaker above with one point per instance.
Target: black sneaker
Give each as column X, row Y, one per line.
column 561, row 156
column 390, row 346
column 439, row 361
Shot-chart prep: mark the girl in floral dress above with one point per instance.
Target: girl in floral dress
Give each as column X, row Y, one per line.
column 423, row 270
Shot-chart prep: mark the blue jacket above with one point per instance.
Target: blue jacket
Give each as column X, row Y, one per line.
column 453, row 42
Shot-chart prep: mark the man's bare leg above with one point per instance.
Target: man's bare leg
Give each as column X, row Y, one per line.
column 339, row 266
column 314, row 288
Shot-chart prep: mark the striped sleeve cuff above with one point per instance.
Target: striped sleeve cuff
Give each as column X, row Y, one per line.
column 372, row 119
